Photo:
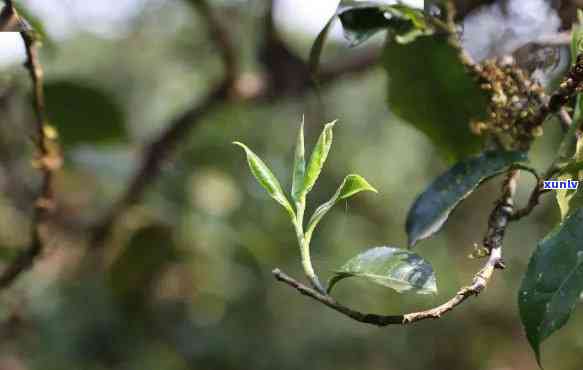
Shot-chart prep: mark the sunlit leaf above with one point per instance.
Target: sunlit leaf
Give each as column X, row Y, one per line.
column 395, row 268
column 317, row 159
column 430, row 89
column 84, row 114
column 266, row 178
column 299, row 165
column 432, row 208
column 352, row 185
column 553, row 282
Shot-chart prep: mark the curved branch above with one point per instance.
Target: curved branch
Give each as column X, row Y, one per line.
column 47, row 162
column 497, row 224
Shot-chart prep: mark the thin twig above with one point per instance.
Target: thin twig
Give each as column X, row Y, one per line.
column 47, row 162
column 535, row 194
column 565, row 119
column 570, row 85
column 479, row 282
column 497, row 224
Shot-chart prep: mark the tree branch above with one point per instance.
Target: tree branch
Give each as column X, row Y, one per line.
column 47, row 162
column 497, row 224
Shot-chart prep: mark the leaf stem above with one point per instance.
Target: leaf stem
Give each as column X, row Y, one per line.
column 304, row 243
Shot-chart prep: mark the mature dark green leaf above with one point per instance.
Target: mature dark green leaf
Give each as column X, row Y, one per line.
column 430, row 89
column 317, row 159
column 362, row 19
column 84, row 114
column 432, row 208
column 299, row 166
column 352, row 185
column 395, row 268
column 553, row 282
column 266, row 179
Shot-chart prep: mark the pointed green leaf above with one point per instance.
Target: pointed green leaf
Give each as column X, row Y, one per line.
column 553, row 281
column 430, row 89
column 266, row 178
column 317, row 159
column 352, row 184
column 432, row 208
column 299, row 165
column 395, row 268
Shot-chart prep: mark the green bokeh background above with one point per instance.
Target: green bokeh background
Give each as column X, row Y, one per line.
column 189, row 284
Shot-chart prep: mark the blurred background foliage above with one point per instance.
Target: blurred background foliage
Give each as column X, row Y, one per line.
column 187, row 282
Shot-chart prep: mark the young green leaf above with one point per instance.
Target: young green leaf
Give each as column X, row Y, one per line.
column 553, row 281
column 432, row 208
column 266, row 178
column 430, row 89
column 395, row 268
column 317, row 159
column 299, row 166
column 352, row 184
